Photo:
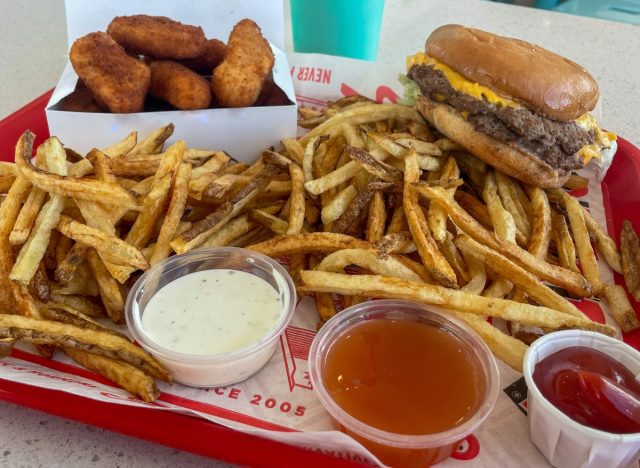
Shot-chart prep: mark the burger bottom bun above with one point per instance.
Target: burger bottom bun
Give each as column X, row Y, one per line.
column 506, row 158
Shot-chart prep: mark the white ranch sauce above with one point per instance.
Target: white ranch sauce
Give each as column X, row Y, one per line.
column 212, row 312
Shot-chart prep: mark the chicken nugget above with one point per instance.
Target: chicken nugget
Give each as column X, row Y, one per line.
column 204, row 63
column 183, row 88
column 247, row 63
column 117, row 81
column 157, row 36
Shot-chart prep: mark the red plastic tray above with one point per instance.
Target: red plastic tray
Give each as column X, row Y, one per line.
column 175, row 430
column 621, row 194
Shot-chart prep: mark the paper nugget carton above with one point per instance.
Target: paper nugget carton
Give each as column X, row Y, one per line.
column 242, row 132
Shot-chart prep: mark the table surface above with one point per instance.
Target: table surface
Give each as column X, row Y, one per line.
column 33, row 53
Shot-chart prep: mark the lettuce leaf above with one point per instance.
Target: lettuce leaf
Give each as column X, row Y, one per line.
column 411, row 90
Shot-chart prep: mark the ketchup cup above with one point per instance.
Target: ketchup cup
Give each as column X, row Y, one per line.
column 565, row 442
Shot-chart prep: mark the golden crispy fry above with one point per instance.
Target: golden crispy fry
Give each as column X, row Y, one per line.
column 123, row 146
column 211, row 56
column 396, row 242
column 111, row 248
column 8, row 169
column 374, row 166
column 202, row 230
column 478, row 274
column 10, row 207
column 541, row 222
column 60, row 334
column 425, row 162
column 324, row 301
column 432, row 258
column 247, row 63
column 317, row 242
column 333, row 179
column 571, row 281
column 518, row 275
column 81, row 304
column 348, row 221
column 294, row 149
column 511, row 202
column 297, row 203
column 436, row 216
column 6, row 345
column 630, row 248
column 74, row 317
column 564, row 242
column 179, row 86
column 84, row 189
column 455, row 259
column 67, row 268
column 173, row 215
column 336, row 207
column 39, row 285
column 360, row 115
column 153, row 143
column 118, row 82
column 506, row 348
column 108, row 287
column 27, row 216
column 605, row 244
column 377, row 218
column 370, row 260
column 576, row 182
column 157, row 36
column 503, row 223
column 271, row 222
column 398, row 221
column 127, row 376
column 586, row 255
column 384, row 287
column 621, row 309
column 155, row 201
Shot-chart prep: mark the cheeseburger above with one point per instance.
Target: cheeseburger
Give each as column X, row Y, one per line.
column 518, row 107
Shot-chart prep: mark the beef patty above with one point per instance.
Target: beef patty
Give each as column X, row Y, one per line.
column 555, row 142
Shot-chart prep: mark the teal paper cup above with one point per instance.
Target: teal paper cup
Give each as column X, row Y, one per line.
column 349, row 28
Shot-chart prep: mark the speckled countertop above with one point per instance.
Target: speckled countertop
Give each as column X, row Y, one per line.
column 33, row 54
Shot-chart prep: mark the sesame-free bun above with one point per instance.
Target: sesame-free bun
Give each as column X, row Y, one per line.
column 503, row 156
column 547, row 83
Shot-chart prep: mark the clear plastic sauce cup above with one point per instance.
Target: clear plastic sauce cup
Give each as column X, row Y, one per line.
column 394, row 448
column 221, row 368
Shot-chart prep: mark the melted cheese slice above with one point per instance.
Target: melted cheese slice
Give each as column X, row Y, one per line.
column 476, row 90
column 459, row 82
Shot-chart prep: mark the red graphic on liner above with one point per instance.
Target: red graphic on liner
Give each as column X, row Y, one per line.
column 295, row 343
column 591, row 309
column 467, row 449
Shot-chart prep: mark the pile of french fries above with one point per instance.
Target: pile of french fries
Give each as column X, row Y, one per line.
column 370, row 203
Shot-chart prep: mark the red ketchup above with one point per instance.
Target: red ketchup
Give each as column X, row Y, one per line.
column 591, row 388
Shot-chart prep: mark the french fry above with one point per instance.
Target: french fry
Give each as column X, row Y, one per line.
column 436, row 216
column 200, row 231
column 67, row 268
column 49, row 332
column 377, row 218
column 478, row 274
column 317, row 242
column 374, row 166
column 294, row 150
column 517, row 275
column 74, row 317
column 81, row 304
column 110, row 248
column 297, row 204
column 398, row 222
column 174, row 214
column 6, row 345
column 127, row 376
column 571, row 281
column 511, row 203
column 39, row 284
column 36, row 244
column 154, row 202
column 586, row 255
column 564, row 242
column 85, row 189
column 397, row 242
column 630, row 248
column 385, row 287
column 432, row 258
column 27, row 217
column 621, row 309
column 108, row 287
column 348, row 220
column 576, row 182
column 153, row 143
column 455, row 259
column 503, row 223
column 122, row 147
column 336, row 207
column 273, row 223
column 370, row 260
column 425, row 162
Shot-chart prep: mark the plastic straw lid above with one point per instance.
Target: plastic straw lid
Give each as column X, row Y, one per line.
column 397, row 309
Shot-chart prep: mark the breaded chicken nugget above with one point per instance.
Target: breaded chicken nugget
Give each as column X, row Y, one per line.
column 117, row 81
column 157, row 36
column 182, row 88
column 204, row 63
column 237, row 81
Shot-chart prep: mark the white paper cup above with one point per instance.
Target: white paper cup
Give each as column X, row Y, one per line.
column 565, row 442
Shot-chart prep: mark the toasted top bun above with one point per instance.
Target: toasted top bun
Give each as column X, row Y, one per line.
column 504, row 157
column 547, row 83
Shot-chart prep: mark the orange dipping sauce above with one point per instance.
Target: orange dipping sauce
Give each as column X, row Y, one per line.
column 403, row 377
column 406, row 382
